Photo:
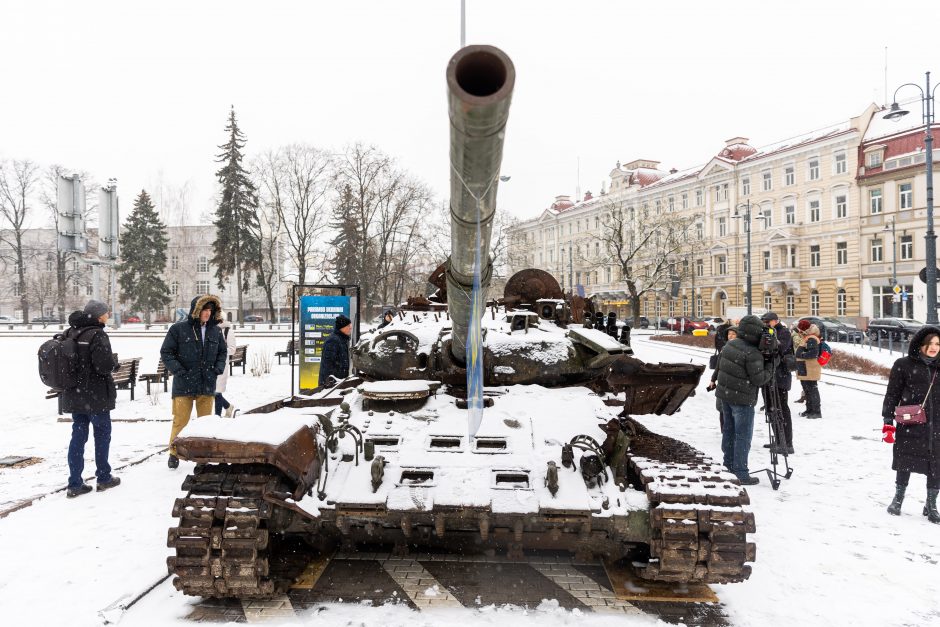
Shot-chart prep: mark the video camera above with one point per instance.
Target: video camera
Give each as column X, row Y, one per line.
column 769, row 343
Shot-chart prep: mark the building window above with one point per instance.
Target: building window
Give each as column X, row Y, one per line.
column 175, row 288
column 699, row 230
column 877, row 251
column 202, row 287
column 89, row 290
column 842, row 207
column 722, row 265
column 698, row 306
column 814, row 256
column 766, row 260
column 685, row 200
column 50, row 265
column 814, row 303
column 597, row 222
column 789, row 175
column 874, row 159
column 790, row 213
column 16, row 289
column 791, row 302
column 814, row 169
column 767, row 182
column 840, row 302
column 722, row 227
column 671, row 203
column 768, row 301
column 698, row 198
column 841, row 164
column 814, row 211
column 659, row 206
column 597, row 249
column 906, row 196
column 608, row 274
column 792, row 256
column 842, row 253
column 75, row 289
column 768, row 214
column 745, row 263
column 874, row 200
column 672, row 308
column 746, row 186
column 907, row 247
column 202, row 266
column 699, row 267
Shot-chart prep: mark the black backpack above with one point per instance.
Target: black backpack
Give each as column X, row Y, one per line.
column 59, row 361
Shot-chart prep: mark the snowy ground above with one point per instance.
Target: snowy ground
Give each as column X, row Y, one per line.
column 827, row 551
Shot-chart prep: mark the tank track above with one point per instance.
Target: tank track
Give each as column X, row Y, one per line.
column 699, row 523
column 223, row 541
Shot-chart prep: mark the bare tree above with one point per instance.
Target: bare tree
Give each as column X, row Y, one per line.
column 18, row 178
column 650, row 251
column 269, row 266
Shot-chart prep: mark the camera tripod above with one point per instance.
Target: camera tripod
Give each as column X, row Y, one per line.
column 773, row 414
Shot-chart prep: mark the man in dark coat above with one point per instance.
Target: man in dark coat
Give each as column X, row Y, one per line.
column 783, row 381
column 92, row 401
column 387, row 318
column 194, row 352
column 721, row 335
column 917, row 447
column 742, row 371
column 335, row 358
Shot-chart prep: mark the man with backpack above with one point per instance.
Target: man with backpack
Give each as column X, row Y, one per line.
column 90, row 401
column 808, row 368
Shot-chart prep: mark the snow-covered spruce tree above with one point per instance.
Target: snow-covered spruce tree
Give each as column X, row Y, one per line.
column 143, row 259
column 236, row 249
column 346, row 261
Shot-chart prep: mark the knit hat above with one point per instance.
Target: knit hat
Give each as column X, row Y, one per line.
column 341, row 322
column 803, row 325
column 96, row 309
column 770, row 315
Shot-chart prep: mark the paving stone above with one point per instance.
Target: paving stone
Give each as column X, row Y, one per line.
column 353, row 581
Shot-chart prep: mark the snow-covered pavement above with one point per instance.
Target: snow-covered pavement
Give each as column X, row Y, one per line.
column 827, row 551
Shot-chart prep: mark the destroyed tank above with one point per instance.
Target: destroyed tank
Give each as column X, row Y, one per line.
column 387, row 456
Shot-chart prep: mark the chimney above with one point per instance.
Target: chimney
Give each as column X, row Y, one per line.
column 587, row 196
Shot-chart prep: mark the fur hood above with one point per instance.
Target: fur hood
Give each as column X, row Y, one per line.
column 913, row 350
column 201, row 301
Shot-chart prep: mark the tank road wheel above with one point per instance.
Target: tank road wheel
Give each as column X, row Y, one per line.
column 223, row 539
column 698, row 522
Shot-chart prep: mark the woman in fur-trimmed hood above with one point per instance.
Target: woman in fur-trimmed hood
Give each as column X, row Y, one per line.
column 194, row 350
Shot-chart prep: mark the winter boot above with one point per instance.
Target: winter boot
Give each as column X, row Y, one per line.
column 802, row 398
column 930, row 508
column 85, row 489
column 173, row 461
column 113, row 482
column 895, row 508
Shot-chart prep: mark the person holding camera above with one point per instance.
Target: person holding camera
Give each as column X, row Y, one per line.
column 742, row 371
column 783, row 381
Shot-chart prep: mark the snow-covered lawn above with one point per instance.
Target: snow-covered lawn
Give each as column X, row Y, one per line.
column 828, row 554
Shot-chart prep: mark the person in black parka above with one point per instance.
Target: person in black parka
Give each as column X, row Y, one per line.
column 335, row 357
column 91, row 402
column 194, row 352
column 387, row 318
column 783, row 381
column 917, row 448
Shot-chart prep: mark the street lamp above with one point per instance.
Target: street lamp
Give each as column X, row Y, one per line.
column 895, row 298
column 927, row 112
column 747, row 229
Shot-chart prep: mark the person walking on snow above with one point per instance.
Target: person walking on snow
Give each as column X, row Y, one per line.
column 335, row 358
column 92, row 401
column 228, row 332
column 913, row 381
column 194, row 352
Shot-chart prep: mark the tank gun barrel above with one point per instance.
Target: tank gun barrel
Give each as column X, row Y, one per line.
column 480, row 81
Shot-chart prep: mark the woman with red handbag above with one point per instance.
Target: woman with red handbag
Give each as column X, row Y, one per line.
column 913, row 401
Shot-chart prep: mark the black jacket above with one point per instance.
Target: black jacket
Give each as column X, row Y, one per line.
column 741, row 367
column 195, row 365
column 95, row 392
column 721, row 335
column 917, row 447
column 335, row 358
column 783, row 379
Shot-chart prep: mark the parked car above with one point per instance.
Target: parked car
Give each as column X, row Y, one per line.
column 254, row 318
column 46, row 319
column 686, row 324
column 132, row 319
column 893, row 328
column 642, row 322
column 713, row 323
column 832, row 329
column 9, row 320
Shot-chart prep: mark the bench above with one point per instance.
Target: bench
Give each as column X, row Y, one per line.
column 238, row 358
column 290, row 351
column 125, row 378
column 162, row 375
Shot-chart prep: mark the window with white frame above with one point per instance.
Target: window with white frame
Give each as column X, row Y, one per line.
column 842, row 253
column 905, row 195
column 874, row 159
column 789, row 175
column 907, row 247
column 768, row 214
column 767, row 182
column 840, row 302
column 722, row 227
column 814, row 303
column 814, row 256
column 671, row 202
column 746, row 186
column 790, row 213
column 698, row 306
column 791, row 304
column 874, row 201
column 202, row 265
column 722, row 265
column 202, row 287
column 597, row 222
column 685, row 200
column 89, row 290
column 659, row 206
column 608, row 274
column 699, row 267
column 672, row 308
column 768, row 301
column 792, row 256
column 814, row 211
column 597, row 249
column 50, row 265
column 877, row 251
column 175, row 288
column 841, row 163
column 766, row 260
column 75, row 289
column 699, row 230
column 813, row 169
column 842, row 207
column 16, row 289
column 698, row 198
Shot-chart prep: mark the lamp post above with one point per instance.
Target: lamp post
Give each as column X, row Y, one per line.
column 895, row 298
column 747, row 229
column 927, row 112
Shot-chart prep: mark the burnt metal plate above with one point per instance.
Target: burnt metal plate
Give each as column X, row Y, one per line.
column 13, row 460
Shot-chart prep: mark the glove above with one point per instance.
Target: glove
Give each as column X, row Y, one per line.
column 888, row 430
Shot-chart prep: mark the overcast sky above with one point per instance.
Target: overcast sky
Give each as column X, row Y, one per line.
column 140, row 91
